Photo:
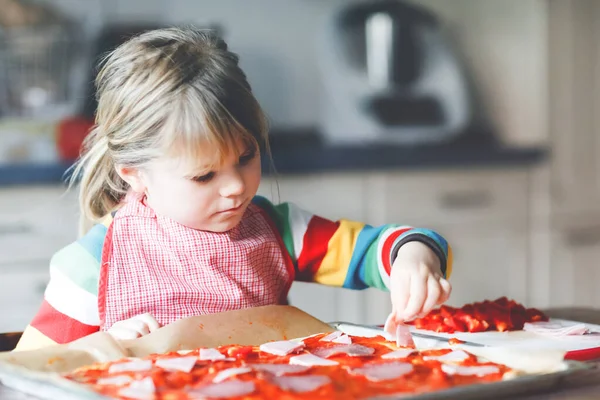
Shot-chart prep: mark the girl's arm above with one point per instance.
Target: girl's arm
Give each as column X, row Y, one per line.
column 69, row 310
column 346, row 253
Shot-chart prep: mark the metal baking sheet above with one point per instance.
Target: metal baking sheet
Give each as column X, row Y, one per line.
column 567, row 374
column 52, row 386
column 44, row 385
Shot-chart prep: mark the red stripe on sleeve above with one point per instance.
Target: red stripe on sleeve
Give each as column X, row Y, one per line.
column 387, row 249
column 314, row 246
column 59, row 327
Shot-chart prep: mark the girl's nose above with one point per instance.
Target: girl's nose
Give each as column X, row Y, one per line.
column 232, row 185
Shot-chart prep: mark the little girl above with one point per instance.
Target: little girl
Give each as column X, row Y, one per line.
column 169, row 175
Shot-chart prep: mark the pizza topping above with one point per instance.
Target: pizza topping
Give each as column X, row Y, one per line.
column 280, row 369
column 142, row 390
column 134, row 365
column 332, row 336
column 261, row 375
column 228, row 373
column 239, row 351
column 400, row 353
column 344, row 339
column 184, row 364
column 479, row 370
column 221, row 390
column 282, row 348
column 301, row 384
column 403, row 336
column 383, row 372
column 118, row 380
column 453, row 356
column 354, row 350
column 556, row 329
column 500, row 315
column 401, row 333
column 311, row 360
column 211, row 355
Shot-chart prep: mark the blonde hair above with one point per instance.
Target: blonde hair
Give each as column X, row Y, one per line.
column 165, row 92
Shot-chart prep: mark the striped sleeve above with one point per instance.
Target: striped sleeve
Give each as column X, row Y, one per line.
column 69, row 309
column 346, row 253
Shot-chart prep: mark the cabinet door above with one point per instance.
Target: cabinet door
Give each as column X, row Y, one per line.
column 21, row 292
column 575, row 268
column 489, row 262
column 35, row 222
column 482, row 214
column 574, row 26
column 448, row 198
column 332, row 196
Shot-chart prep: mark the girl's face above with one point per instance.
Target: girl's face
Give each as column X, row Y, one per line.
column 207, row 199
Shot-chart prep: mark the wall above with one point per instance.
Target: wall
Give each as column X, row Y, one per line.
column 504, row 44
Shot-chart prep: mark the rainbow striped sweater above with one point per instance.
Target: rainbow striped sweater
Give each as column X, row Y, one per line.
column 340, row 253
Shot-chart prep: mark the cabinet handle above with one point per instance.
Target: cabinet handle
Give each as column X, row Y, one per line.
column 466, row 200
column 15, row 229
column 583, row 237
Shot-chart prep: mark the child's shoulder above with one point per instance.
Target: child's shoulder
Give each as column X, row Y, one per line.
column 268, row 205
column 81, row 259
column 261, row 202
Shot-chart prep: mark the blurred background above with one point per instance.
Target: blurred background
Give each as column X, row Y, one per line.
column 477, row 118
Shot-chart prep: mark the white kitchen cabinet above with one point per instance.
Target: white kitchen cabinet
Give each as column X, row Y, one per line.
column 448, row 198
column 574, row 56
column 489, row 262
column 565, row 200
column 575, row 265
column 332, row 195
column 22, row 288
column 484, row 215
column 35, row 222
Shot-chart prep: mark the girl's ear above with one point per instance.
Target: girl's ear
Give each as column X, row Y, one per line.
column 133, row 176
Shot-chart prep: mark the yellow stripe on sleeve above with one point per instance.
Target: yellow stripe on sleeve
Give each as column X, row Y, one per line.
column 335, row 264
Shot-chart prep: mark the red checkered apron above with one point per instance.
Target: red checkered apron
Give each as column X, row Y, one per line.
column 153, row 264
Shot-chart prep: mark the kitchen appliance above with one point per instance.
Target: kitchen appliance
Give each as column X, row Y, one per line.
column 390, row 76
column 39, row 70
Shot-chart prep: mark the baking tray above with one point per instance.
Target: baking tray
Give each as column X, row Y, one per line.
column 566, row 373
column 45, row 385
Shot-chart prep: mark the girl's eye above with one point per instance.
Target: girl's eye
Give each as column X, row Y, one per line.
column 246, row 158
column 204, row 178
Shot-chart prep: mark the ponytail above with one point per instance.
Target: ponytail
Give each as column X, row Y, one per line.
column 100, row 187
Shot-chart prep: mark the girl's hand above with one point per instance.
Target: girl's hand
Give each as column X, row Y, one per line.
column 134, row 327
column 416, row 283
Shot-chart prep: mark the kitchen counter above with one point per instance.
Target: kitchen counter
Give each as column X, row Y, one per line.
column 306, row 153
column 306, row 158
